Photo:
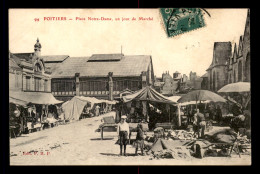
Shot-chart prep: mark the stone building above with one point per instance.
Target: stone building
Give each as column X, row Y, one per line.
column 193, row 82
column 158, row 83
column 98, row 74
column 170, row 84
column 230, row 64
column 177, row 76
column 27, row 72
column 239, row 63
column 217, row 75
column 204, row 83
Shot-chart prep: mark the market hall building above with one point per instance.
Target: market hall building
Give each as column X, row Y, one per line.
column 98, row 74
column 29, row 78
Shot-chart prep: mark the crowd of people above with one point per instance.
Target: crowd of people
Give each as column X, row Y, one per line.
column 26, row 119
column 97, row 110
column 234, row 116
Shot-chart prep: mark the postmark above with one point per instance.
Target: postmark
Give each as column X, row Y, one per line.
column 180, row 20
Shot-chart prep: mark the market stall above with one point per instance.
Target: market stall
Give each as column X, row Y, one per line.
column 74, row 107
column 150, row 106
column 198, row 97
column 239, row 95
column 31, row 106
column 184, row 109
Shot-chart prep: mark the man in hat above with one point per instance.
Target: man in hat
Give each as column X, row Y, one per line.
column 123, row 133
column 200, row 122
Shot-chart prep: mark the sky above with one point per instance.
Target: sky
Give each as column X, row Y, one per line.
column 191, row 51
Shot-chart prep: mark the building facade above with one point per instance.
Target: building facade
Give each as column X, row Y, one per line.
column 100, row 74
column 169, row 85
column 217, row 74
column 239, row 63
column 230, row 64
column 27, row 72
column 194, row 81
column 204, row 83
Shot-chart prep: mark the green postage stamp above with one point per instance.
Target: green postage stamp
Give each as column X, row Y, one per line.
column 180, row 20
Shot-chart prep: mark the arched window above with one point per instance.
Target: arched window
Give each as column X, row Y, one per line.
column 247, row 68
column 240, row 71
column 38, row 67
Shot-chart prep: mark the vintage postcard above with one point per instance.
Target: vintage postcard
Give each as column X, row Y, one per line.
column 166, row 86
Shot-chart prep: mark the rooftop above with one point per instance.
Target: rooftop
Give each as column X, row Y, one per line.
column 13, row 64
column 221, row 53
column 26, row 56
column 131, row 65
column 54, row 58
column 106, row 57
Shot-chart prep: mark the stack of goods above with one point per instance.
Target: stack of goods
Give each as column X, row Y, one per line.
column 148, row 142
column 223, row 136
column 159, row 133
column 244, row 144
column 180, row 135
column 178, row 153
column 169, row 149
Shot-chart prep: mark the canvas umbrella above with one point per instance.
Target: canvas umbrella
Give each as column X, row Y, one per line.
column 239, row 87
column 236, row 87
column 201, row 95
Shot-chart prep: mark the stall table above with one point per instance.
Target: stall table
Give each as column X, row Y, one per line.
column 111, row 125
column 132, row 128
column 165, row 126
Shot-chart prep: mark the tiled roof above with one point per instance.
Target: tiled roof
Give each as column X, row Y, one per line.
column 52, row 66
column 127, row 66
column 26, row 56
column 54, row 58
column 15, row 58
column 105, row 57
column 13, row 64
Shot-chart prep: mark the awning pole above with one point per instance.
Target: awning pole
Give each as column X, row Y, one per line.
column 179, row 115
column 169, row 114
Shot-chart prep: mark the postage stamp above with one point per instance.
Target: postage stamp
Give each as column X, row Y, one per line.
column 180, row 20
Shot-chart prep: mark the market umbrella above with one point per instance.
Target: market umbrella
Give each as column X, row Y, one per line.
column 239, row 87
column 201, row 95
column 236, row 87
